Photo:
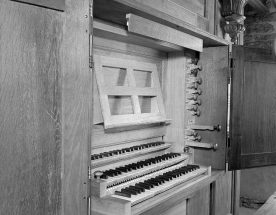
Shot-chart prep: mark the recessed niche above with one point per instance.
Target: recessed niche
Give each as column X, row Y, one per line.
column 115, row 76
column 120, row 105
column 148, row 104
column 143, row 78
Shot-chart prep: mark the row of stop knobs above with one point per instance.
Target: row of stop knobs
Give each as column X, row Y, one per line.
column 193, row 92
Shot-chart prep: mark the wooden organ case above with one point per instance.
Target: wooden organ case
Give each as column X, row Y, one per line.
column 160, row 105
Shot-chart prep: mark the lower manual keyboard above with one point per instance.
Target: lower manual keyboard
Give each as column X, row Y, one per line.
column 158, row 184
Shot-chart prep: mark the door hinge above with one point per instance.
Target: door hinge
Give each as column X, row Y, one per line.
column 91, row 9
column 91, row 63
column 231, row 63
column 89, row 172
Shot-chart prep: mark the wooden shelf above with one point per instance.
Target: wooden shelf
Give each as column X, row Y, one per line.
column 115, row 11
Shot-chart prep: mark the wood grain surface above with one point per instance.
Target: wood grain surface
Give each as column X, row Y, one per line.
column 30, row 110
column 174, row 98
column 214, row 105
column 76, row 107
column 167, row 13
column 199, row 203
column 52, row 4
column 253, row 109
column 148, row 28
column 221, row 195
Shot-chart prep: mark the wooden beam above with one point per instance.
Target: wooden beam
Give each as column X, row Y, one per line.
column 158, row 31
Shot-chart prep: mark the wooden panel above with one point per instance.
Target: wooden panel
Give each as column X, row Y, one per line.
column 53, row 4
column 197, row 6
column 170, row 207
column 214, row 105
column 110, row 206
column 221, row 195
column 174, row 16
column 76, row 106
column 252, row 123
column 30, row 109
column 145, row 27
column 174, row 98
column 199, row 203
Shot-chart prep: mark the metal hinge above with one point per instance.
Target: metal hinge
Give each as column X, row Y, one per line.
column 230, row 70
column 91, row 9
column 89, row 172
column 91, row 63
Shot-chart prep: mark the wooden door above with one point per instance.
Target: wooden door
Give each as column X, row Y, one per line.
column 45, row 104
column 253, row 108
column 214, row 105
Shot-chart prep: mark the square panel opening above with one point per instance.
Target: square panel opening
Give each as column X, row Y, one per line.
column 120, row 105
column 143, row 78
column 148, row 104
column 115, row 76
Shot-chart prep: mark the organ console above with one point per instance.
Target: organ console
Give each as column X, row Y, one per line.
column 146, row 178
column 152, row 88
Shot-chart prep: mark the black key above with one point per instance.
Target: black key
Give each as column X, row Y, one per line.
column 122, row 169
column 106, row 154
column 145, row 186
column 194, row 166
column 165, row 178
column 116, row 172
column 94, row 157
column 146, row 183
column 140, row 188
column 103, row 176
column 156, row 183
column 159, row 179
column 123, row 194
column 135, row 188
column 130, row 192
column 111, row 174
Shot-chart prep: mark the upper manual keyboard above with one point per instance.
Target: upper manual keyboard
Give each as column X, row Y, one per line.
column 124, row 153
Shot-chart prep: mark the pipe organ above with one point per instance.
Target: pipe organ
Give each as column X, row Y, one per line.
column 160, row 101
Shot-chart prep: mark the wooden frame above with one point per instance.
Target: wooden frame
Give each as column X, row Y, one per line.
column 52, row 4
column 138, row 117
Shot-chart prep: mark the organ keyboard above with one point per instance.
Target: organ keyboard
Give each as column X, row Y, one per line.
column 136, row 182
